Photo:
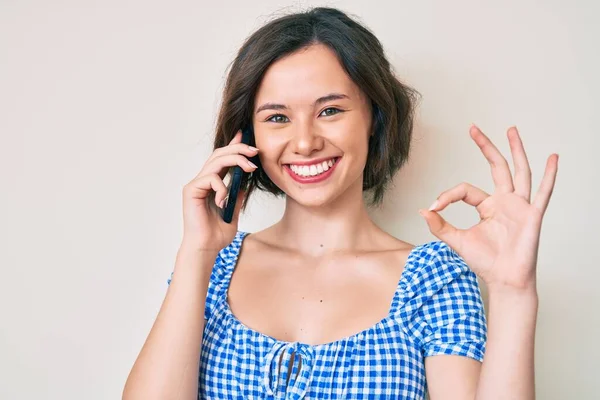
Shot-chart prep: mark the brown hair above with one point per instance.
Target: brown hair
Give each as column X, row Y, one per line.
column 361, row 55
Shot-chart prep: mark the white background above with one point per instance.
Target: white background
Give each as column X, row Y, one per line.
column 107, row 109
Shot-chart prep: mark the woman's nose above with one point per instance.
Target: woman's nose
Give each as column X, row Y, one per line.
column 307, row 139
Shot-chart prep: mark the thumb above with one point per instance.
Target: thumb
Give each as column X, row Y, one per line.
column 440, row 228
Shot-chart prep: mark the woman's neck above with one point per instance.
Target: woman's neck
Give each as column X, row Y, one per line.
column 341, row 225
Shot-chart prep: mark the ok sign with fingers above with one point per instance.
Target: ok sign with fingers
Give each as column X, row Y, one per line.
column 502, row 248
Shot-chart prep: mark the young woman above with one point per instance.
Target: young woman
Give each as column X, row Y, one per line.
column 325, row 304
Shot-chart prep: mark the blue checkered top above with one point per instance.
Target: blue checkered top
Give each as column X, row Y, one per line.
column 436, row 309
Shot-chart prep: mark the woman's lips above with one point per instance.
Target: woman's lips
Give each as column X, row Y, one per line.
column 312, row 179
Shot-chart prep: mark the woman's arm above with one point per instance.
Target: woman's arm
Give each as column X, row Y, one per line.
column 508, row 364
column 502, row 250
column 167, row 366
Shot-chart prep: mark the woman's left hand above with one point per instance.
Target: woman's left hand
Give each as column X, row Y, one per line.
column 502, row 248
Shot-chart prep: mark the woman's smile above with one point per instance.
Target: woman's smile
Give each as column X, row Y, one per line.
column 312, row 171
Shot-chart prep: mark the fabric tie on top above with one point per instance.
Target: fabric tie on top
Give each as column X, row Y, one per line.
column 287, row 370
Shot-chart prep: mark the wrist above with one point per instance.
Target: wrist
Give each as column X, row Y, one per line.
column 527, row 291
column 191, row 258
column 196, row 246
column 513, row 301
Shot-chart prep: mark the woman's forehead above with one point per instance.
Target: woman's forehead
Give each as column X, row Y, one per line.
column 304, row 76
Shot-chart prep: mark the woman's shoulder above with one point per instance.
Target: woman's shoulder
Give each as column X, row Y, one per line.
column 231, row 252
column 434, row 254
column 248, row 243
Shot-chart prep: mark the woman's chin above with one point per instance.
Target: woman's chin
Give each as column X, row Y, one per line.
column 317, row 199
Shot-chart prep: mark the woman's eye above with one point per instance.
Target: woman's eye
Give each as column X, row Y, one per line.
column 330, row 111
column 278, row 118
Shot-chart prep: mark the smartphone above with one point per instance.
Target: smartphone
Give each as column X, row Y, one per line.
column 239, row 178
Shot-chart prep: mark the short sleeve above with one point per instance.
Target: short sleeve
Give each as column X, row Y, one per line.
column 451, row 317
column 216, row 287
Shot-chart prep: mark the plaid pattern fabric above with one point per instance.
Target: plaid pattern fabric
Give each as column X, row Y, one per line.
column 437, row 309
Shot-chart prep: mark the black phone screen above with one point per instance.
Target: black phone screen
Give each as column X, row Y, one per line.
column 238, row 177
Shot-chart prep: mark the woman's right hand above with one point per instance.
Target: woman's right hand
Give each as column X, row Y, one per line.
column 203, row 226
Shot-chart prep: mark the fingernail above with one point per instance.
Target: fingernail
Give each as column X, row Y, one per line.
column 252, row 148
column 422, row 213
column 434, row 205
column 252, row 164
column 222, row 203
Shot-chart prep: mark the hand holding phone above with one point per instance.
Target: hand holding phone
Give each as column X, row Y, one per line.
column 204, row 226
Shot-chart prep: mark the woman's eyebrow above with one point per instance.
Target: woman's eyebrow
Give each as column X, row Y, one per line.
column 320, row 100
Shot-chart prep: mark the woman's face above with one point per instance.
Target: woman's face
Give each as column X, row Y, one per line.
column 312, row 126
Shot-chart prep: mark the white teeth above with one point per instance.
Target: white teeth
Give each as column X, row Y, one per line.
column 312, row 170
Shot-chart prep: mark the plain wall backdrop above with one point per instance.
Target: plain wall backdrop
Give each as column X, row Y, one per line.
column 107, row 109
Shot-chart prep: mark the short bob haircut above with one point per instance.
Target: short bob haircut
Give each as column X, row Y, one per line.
column 361, row 55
